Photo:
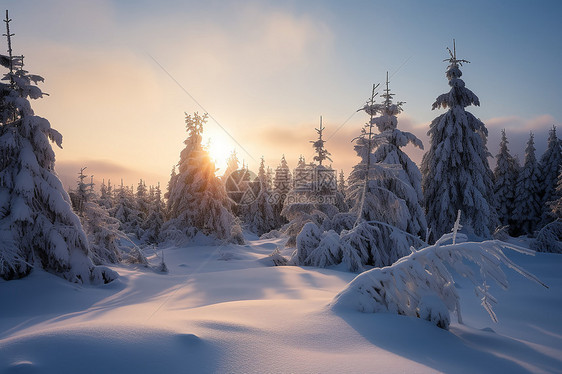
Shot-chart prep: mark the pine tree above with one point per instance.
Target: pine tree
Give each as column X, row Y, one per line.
column 379, row 235
column 142, row 200
column 231, row 164
column 37, row 225
column 528, row 202
column 505, row 179
column 556, row 204
column 340, row 194
column 125, row 210
column 154, row 221
column 282, row 181
column 456, row 174
column 197, row 199
column 260, row 218
column 549, row 165
column 102, row 230
column 106, row 195
column 318, row 145
column 313, row 196
column 405, row 181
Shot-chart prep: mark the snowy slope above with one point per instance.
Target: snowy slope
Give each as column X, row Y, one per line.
column 223, row 309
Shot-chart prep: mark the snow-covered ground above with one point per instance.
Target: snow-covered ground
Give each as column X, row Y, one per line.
column 224, row 309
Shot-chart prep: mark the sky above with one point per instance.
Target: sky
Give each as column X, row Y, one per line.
column 121, row 74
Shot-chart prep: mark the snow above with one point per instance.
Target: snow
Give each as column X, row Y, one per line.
column 222, row 309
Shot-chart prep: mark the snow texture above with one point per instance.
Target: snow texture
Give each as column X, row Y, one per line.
column 420, row 285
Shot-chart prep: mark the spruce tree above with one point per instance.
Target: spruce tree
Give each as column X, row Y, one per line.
column 260, row 217
column 313, row 194
column 405, row 181
column 379, row 235
column 38, row 228
column 282, row 182
column 556, row 204
column 549, row 165
column 505, row 179
column 126, row 211
column 152, row 225
column 102, row 230
column 456, row 174
column 197, row 201
column 106, row 195
column 231, row 164
column 528, row 202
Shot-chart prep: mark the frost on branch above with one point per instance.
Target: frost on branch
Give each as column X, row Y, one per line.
column 549, row 238
column 420, row 285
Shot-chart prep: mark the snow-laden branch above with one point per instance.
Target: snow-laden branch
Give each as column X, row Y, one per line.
column 421, row 285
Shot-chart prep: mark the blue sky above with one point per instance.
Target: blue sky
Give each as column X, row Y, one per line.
column 267, row 70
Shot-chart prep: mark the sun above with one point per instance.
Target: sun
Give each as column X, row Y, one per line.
column 219, row 149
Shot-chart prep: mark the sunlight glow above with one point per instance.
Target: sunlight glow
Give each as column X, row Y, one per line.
column 219, row 149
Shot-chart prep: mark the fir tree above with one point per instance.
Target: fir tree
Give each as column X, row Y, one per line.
column 231, row 164
column 456, row 174
column 340, row 194
column 125, row 210
column 260, row 218
column 405, row 181
column 549, row 169
column 37, row 225
column 142, row 199
column 318, row 145
column 342, row 185
column 152, row 226
column 197, row 199
column 379, row 236
column 528, row 203
column 106, row 195
column 281, row 186
column 505, row 179
column 102, row 230
column 312, row 197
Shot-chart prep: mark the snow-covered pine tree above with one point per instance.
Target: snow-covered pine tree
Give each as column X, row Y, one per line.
column 142, row 200
column 38, row 228
column 379, row 236
column 549, row 165
column 231, row 164
column 282, row 181
column 318, row 145
column 269, row 175
column 106, row 195
column 152, row 225
column 455, row 169
column 340, row 194
column 527, row 213
column 125, row 210
column 101, row 229
column 505, row 179
column 556, row 204
column 197, row 197
column 260, row 218
column 312, row 197
column 405, row 181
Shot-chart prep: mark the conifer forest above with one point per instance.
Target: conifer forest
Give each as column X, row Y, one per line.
column 405, row 238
